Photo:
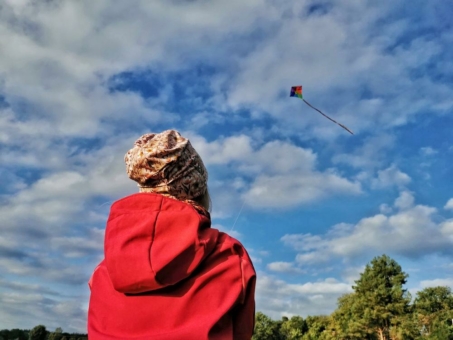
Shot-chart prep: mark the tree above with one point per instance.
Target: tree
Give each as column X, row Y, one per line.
column 266, row 328
column 433, row 309
column 294, row 328
column 347, row 321
column 404, row 328
column 56, row 335
column 38, row 333
column 316, row 327
column 4, row 333
column 380, row 297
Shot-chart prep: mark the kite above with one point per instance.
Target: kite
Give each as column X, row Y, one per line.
column 296, row 91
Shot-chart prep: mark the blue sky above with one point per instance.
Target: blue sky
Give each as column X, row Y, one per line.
column 80, row 81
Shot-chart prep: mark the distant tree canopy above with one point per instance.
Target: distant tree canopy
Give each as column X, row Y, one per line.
column 379, row 308
column 14, row 334
column 38, row 333
column 56, row 335
column 433, row 311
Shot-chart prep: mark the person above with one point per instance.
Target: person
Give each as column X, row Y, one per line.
column 166, row 274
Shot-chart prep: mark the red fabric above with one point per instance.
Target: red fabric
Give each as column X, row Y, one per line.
column 168, row 275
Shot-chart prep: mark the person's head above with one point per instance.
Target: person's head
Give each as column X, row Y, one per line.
column 166, row 163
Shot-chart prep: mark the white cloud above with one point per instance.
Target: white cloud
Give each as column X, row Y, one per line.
column 222, row 151
column 19, row 310
column 284, row 267
column 448, row 282
column 287, row 177
column 292, row 190
column 350, row 274
column 73, row 247
column 404, row 201
column 412, row 231
column 372, row 153
column 447, row 228
column 428, row 151
column 277, row 157
column 277, row 298
column 303, row 242
column 57, row 210
column 352, row 55
column 58, row 69
column 385, row 209
column 284, row 175
column 391, row 176
column 312, row 258
column 449, row 204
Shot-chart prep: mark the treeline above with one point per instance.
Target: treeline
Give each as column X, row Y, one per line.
column 40, row 333
column 379, row 308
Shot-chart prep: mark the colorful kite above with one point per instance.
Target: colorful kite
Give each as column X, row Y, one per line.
column 296, row 91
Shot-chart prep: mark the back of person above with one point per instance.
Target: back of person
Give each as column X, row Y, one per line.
column 168, row 275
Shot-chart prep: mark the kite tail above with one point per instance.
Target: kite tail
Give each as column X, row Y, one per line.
column 344, row 127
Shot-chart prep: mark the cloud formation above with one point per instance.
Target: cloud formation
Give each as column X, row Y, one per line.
column 449, row 204
column 281, row 174
column 279, row 298
column 411, row 231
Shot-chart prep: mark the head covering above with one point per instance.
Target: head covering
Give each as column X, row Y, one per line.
column 166, row 163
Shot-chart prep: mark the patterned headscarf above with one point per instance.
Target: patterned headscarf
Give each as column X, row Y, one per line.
column 166, row 163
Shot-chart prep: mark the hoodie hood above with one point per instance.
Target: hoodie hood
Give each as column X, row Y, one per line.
column 152, row 241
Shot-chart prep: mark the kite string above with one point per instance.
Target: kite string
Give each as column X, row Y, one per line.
column 108, row 202
column 266, row 181
column 237, row 217
column 319, row 111
column 344, row 127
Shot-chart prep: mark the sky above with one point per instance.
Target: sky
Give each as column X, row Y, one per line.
column 80, row 81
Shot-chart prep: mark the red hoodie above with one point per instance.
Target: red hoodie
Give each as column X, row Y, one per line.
column 168, row 275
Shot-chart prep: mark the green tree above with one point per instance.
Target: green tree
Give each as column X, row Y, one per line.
column 433, row 309
column 294, row 328
column 4, row 333
column 404, row 328
column 38, row 333
column 316, row 327
column 380, row 296
column 266, row 328
column 56, row 335
column 347, row 321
